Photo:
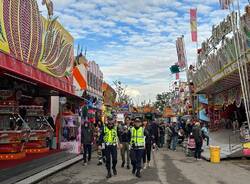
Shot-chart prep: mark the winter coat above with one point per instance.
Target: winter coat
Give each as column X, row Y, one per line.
column 197, row 134
column 87, row 135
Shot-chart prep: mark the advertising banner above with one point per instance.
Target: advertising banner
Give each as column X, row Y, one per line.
column 35, row 42
column 193, row 23
column 180, row 48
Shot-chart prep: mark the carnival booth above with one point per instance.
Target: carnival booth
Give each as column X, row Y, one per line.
column 222, row 73
column 14, row 132
column 41, row 131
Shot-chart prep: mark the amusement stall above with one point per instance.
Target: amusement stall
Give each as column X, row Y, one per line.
column 41, row 132
column 222, row 75
column 14, row 131
column 36, row 60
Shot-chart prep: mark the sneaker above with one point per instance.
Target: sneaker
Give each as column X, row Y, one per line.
column 115, row 172
column 99, row 163
column 84, row 163
column 123, row 163
column 145, row 166
column 128, row 167
column 149, row 165
column 138, row 174
column 109, row 175
column 199, row 159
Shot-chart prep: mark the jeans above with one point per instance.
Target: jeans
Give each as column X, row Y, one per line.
column 111, row 152
column 197, row 153
column 147, row 153
column 162, row 140
column 136, row 158
column 174, row 142
column 87, row 149
column 125, row 148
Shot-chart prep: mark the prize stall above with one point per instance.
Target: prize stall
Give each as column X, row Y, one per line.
column 14, row 132
column 41, row 131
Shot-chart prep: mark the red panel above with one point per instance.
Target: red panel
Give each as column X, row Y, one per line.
column 35, row 75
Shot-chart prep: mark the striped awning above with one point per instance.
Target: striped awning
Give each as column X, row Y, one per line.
column 79, row 74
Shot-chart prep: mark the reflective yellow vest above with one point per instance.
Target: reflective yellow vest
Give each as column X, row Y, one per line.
column 137, row 137
column 110, row 136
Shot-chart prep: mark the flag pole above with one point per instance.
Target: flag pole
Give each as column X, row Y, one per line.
column 240, row 66
column 245, row 71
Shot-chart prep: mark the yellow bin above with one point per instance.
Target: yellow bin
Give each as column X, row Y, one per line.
column 215, row 154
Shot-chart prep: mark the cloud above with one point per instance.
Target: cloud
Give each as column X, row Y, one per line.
column 134, row 41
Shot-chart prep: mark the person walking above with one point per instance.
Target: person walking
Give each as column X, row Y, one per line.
column 137, row 144
column 124, row 138
column 198, row 140
column 174, row 139
column 109, row 137
column 169, row 135
column 162, row 134
column 87, row 137
column 155, row 132
column 149, row 141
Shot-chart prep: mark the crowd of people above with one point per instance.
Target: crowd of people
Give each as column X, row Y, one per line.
column 136, row 139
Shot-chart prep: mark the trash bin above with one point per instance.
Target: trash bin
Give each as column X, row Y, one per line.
column 215, row 154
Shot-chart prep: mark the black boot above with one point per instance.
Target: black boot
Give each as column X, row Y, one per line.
column 133, row 170
column 109, row 175
column 123, row 163
column 138, row 174
column 114, row 171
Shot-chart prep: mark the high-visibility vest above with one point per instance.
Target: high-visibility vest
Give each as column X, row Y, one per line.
column 110, row 136
column 137, row 137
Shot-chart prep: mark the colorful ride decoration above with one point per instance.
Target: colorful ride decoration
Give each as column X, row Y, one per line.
column 217, row 57
column 32, row 39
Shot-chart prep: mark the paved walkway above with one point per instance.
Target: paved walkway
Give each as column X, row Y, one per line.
column 24, row 170
column 168, row 168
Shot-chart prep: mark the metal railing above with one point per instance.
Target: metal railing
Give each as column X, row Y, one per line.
column 234, row 140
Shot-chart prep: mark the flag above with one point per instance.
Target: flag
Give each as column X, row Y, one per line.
column 193, row 23
column 224, row 4
column 180, row 48
column 177, row 76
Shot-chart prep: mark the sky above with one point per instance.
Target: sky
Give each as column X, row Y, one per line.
column 134, row 40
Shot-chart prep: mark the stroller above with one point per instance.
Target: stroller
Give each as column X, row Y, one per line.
column 190, row 147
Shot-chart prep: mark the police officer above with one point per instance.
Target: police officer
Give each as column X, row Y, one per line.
column 110, row 140
column 137, row 144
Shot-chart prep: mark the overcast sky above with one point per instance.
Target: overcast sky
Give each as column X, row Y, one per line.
column 134, row 40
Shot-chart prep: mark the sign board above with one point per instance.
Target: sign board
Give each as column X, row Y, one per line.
column 120, row 117
column 63, row 100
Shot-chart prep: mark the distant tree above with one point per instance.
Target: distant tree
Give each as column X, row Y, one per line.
column 162, row 101
column 122, row 97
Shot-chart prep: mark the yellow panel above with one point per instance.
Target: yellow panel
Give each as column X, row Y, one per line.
column 4, row 46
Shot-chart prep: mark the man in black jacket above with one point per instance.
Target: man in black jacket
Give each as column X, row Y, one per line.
column 198, row 140
column 149, row 141
column 155, row 131
column 87, row 136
